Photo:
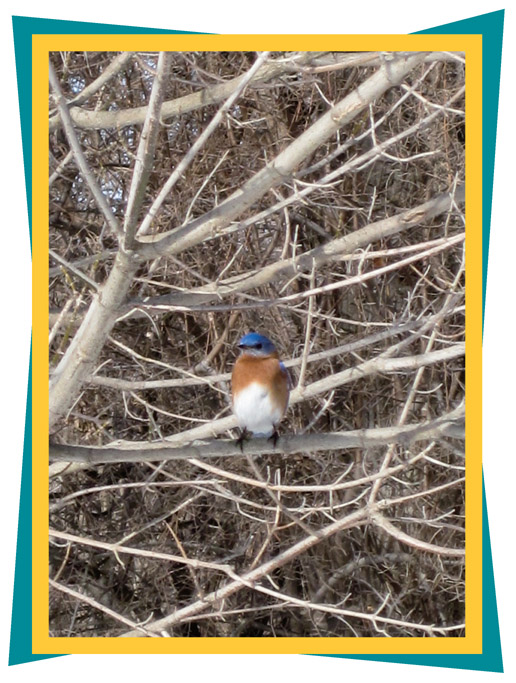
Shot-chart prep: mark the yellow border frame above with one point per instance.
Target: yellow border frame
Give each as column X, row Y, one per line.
column 471, row 45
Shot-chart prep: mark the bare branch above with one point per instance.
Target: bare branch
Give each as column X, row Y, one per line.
column 82, row 597
column 146, row 150
column 199, row 143
column 87, row 119
column 402, row 537
column 389, row 74
column 80, row 357
column 317, row 198
column 112, row 69
column 305, row 443
column 82, row 164
column 331, row 252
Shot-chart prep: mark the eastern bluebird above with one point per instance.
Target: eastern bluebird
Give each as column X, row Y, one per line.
column 260, row 387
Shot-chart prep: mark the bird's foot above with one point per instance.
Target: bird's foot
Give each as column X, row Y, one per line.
column 274, row 437
column 244, row 435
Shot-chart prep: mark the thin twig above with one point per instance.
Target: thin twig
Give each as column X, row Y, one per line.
column 80, row 159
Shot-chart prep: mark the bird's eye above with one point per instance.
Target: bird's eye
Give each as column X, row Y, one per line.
column 258, row 346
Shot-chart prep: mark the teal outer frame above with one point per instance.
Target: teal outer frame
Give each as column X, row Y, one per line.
column 491, row 27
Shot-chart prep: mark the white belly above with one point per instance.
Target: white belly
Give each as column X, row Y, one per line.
column 255, row 411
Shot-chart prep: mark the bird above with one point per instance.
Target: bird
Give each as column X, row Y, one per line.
column 260, row 387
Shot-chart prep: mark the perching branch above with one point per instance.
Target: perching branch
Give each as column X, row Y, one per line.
column 88, row 119
column 286, row 445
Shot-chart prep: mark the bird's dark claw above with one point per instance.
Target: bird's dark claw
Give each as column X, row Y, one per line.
column 243, row 437
column 274, row 437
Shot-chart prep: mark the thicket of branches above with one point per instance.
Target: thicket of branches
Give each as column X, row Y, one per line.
column 317, row 198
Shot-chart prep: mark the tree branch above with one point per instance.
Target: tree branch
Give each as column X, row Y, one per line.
column 308, row 62
column 162, row 451
column 328, row 253
column 146, row 150
column 198, row 145
column 402, row 537
column 112, row 69
column 78, row 154
column 80, row 358
column 249, row 579
column 391, row 73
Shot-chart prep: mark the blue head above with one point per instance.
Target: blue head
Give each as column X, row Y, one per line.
column 256, row 344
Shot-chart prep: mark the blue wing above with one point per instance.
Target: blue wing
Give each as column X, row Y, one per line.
column 287, row 376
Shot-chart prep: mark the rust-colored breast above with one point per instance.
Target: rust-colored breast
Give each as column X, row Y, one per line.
column 264, row 370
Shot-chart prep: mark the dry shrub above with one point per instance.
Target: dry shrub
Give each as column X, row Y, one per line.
column 243, row 512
